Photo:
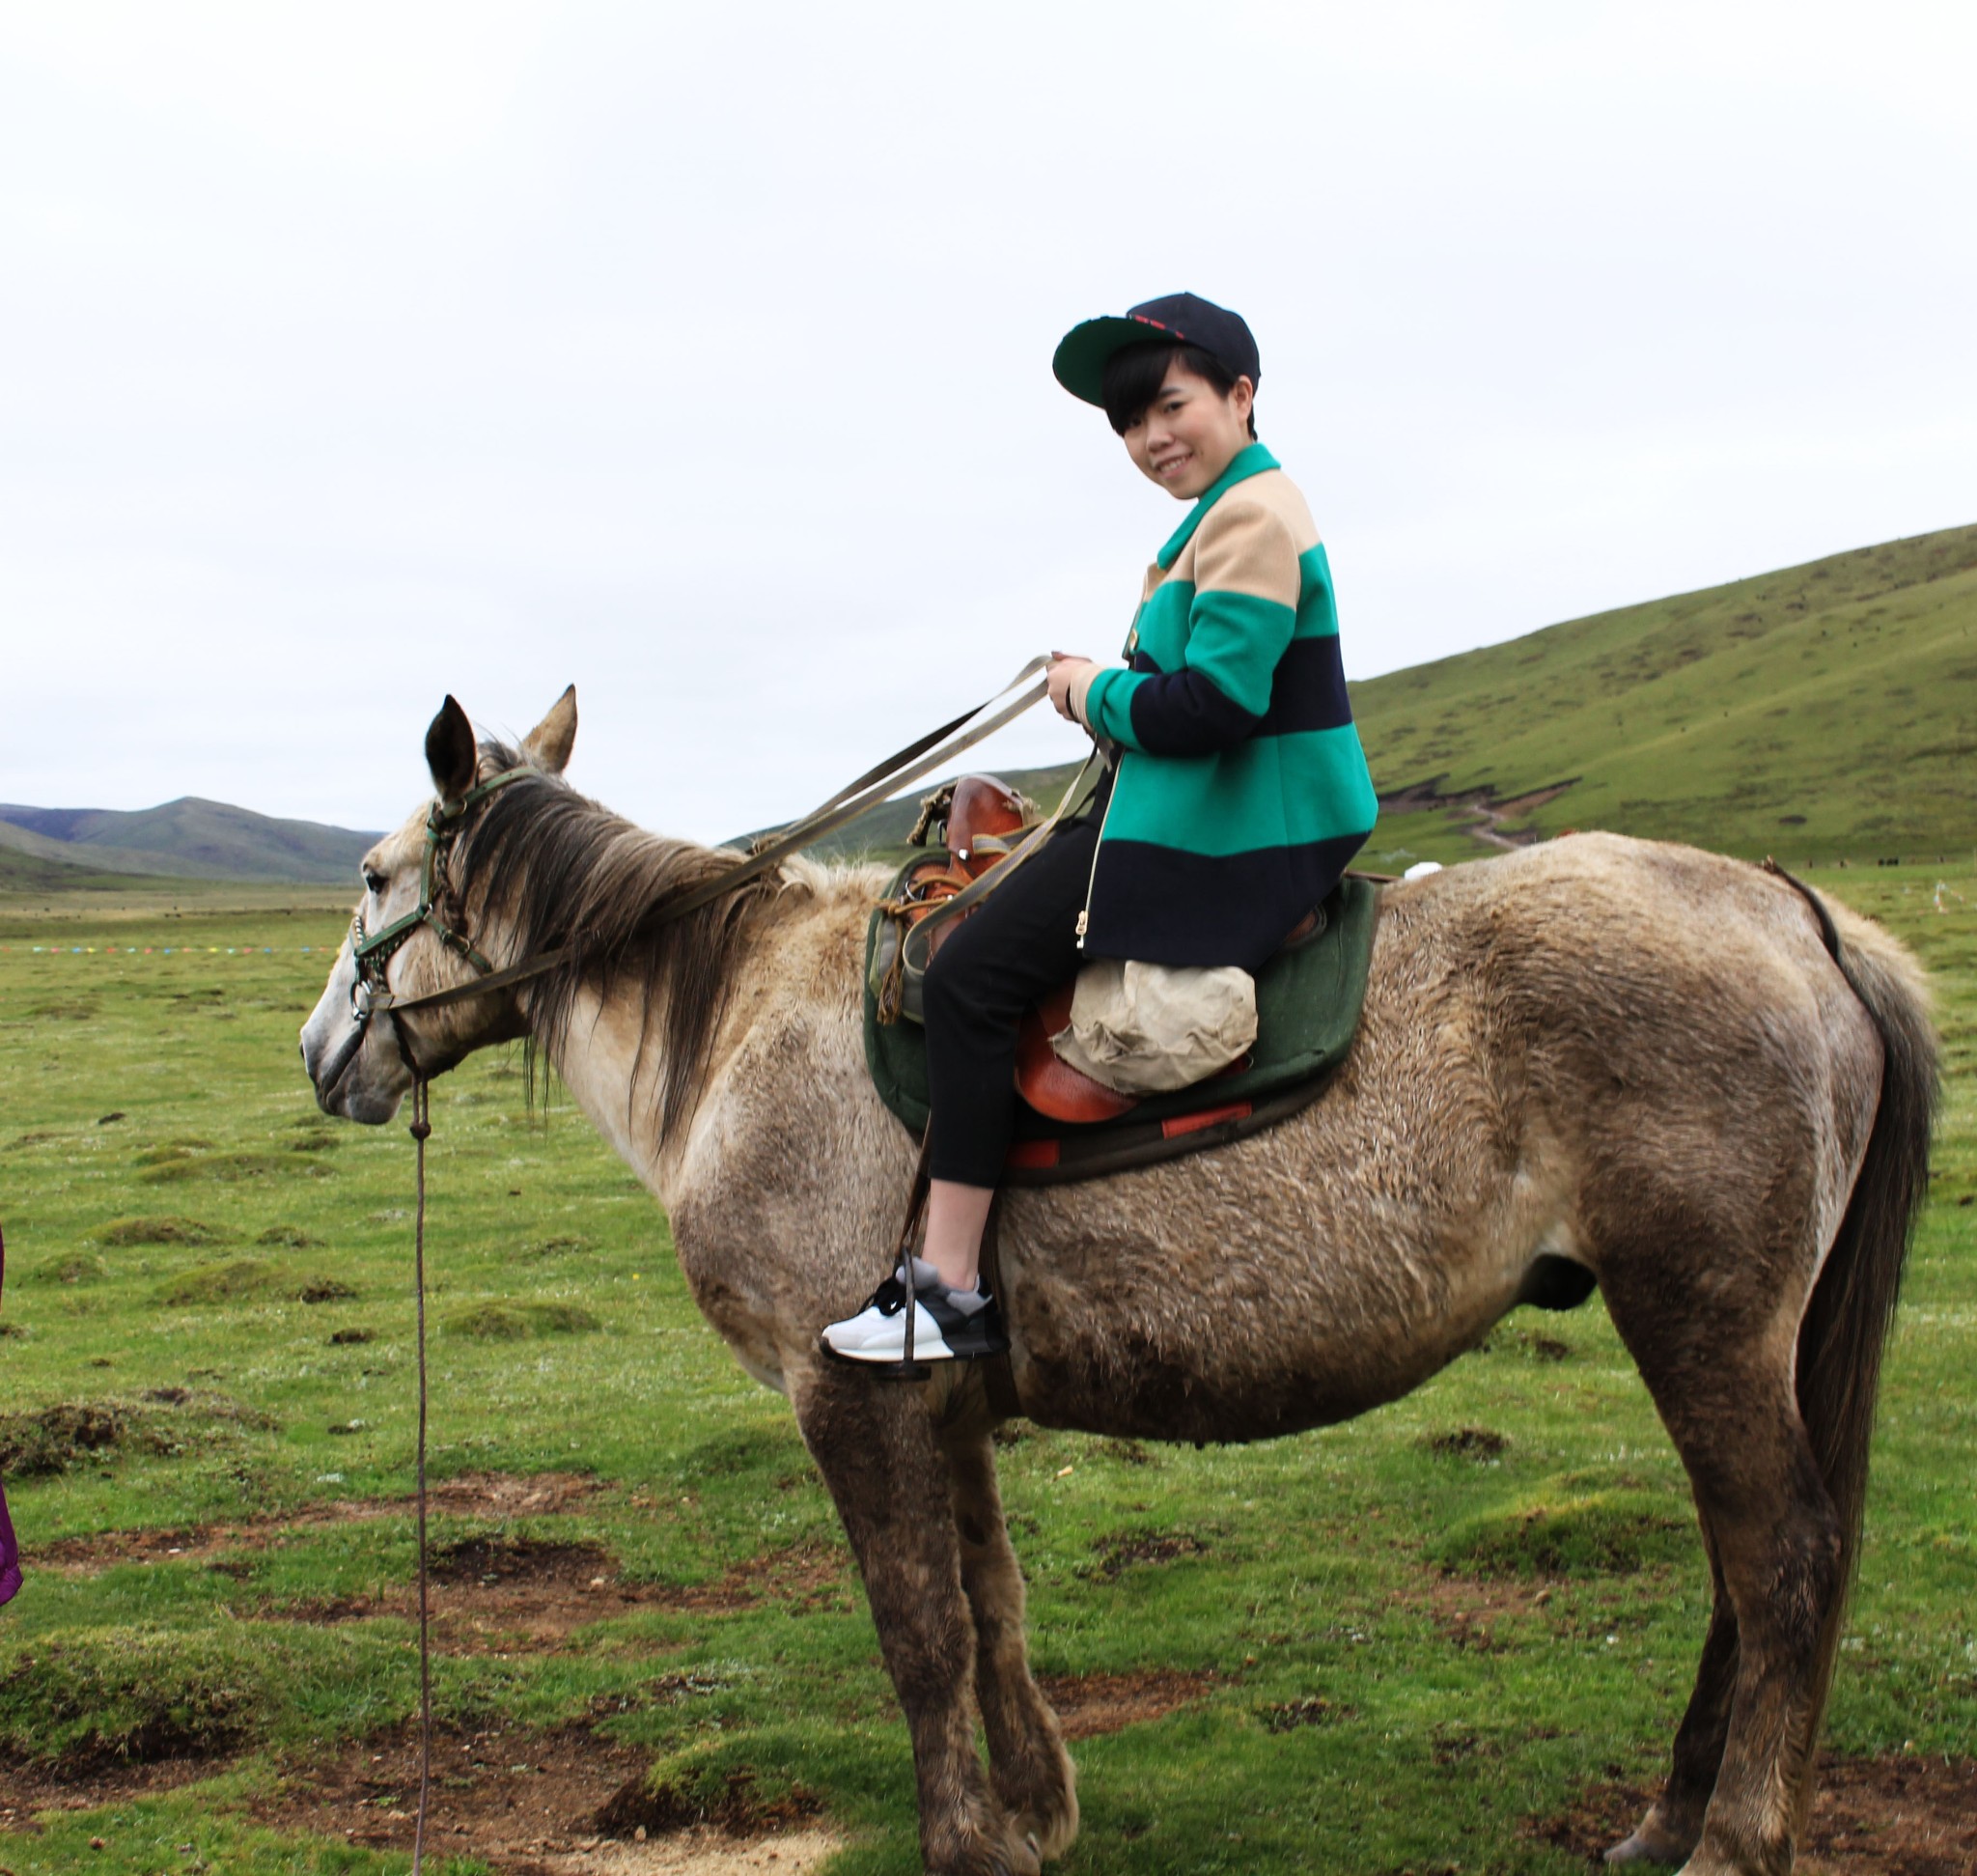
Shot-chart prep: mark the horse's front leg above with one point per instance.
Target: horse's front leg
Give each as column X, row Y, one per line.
column 873, row 1443
column 1032, row 1772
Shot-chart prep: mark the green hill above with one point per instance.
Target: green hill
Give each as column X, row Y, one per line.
column 21, row 872
column 1822, row 712
column 188, row 838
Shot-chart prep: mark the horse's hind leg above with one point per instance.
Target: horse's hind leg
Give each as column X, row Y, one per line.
column 1032, row 1772
column 875, row 1445
column 1674, row 1824
column 1724, row 1390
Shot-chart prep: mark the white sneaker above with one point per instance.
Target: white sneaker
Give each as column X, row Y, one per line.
column 942, row 1331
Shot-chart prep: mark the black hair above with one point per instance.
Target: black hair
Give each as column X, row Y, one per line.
column 1135, row 375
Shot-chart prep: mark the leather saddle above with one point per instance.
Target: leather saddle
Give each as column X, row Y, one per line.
column 978, row 820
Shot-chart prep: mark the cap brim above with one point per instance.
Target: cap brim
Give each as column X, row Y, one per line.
column 1079, row 360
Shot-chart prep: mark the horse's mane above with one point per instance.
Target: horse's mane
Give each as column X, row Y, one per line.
column 566, row 872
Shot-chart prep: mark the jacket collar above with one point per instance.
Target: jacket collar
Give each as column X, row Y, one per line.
column 1251, row 460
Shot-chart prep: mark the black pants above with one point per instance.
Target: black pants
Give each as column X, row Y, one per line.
column 999, row 960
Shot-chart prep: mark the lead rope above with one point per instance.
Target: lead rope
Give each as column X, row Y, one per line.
column 421, row 1131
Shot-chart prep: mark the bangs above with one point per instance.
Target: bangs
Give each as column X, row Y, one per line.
column 1135, row 375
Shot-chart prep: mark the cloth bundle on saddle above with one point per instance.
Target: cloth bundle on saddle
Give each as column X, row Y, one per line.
column 1307, row 1000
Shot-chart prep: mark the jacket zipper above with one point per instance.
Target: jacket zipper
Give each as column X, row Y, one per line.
column 1084, row 916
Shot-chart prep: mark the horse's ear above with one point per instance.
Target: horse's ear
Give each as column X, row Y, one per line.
column 548, row 745
column 451, row 752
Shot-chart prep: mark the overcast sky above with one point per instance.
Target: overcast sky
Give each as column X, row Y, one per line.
column 354, row 354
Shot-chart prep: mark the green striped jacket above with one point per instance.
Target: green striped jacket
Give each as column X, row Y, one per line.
column 1240, row 790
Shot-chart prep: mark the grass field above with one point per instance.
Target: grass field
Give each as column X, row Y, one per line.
column 1454, row 1635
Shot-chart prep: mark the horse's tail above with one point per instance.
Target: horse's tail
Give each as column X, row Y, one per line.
column 1845, row 1331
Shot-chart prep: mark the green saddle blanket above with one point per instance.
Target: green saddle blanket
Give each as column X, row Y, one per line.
column 1308, row 999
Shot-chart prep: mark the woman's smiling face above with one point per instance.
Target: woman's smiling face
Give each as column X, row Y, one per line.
column 1190, row 432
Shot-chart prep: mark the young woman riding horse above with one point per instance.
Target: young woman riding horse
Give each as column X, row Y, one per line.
column 1234, row 796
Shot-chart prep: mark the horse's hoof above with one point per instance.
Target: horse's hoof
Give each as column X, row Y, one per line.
column 1006, row 1855
column 1051, row 1836
column 1024, row 1858
column 1643, row 1848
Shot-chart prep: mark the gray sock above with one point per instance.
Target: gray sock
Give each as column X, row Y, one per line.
column 967, row 1302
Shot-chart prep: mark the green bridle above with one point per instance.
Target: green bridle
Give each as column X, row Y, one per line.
column 371, row 952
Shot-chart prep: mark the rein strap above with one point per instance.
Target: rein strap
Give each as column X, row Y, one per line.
column 918, row 759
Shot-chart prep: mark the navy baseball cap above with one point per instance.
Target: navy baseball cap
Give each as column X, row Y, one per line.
column 1185, row 318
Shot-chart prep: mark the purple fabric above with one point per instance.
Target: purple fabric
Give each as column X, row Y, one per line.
column 10, row 1555
column 9, row 1551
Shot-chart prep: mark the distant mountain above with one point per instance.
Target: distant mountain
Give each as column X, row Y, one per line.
column 1822, row 710
column 188, row 838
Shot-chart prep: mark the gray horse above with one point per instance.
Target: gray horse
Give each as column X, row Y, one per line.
column 1656, row 1069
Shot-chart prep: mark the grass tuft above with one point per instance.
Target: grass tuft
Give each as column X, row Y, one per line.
column 170, row 1152
column 243, row 1277
column 518, row 1322
column 136, row 1694
column 77, row 1267
column 230, row 1168
column 38, row 1446
column 703, row 1786
column 1610, row 1534
column 168, row 1230
column 164, row 1422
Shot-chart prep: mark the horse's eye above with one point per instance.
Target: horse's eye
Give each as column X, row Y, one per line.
column 373, row 880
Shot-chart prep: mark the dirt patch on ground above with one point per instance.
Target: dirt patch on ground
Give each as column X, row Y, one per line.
column 1466, row 1609
column 508, row 1495
column 1088, row 1705
column 494, row 1596
column 806, row 1575
column 490, row 1595
column 534, row 1804
column 640, row 1809
column 1116, row 1555
column 528, row 1804
column 485, row 1495
column 1313, row 1710
column 1895, row 1816
column 517, row 1595
column 698, row 1852
column 1479, row 1443
column 31, row 1785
